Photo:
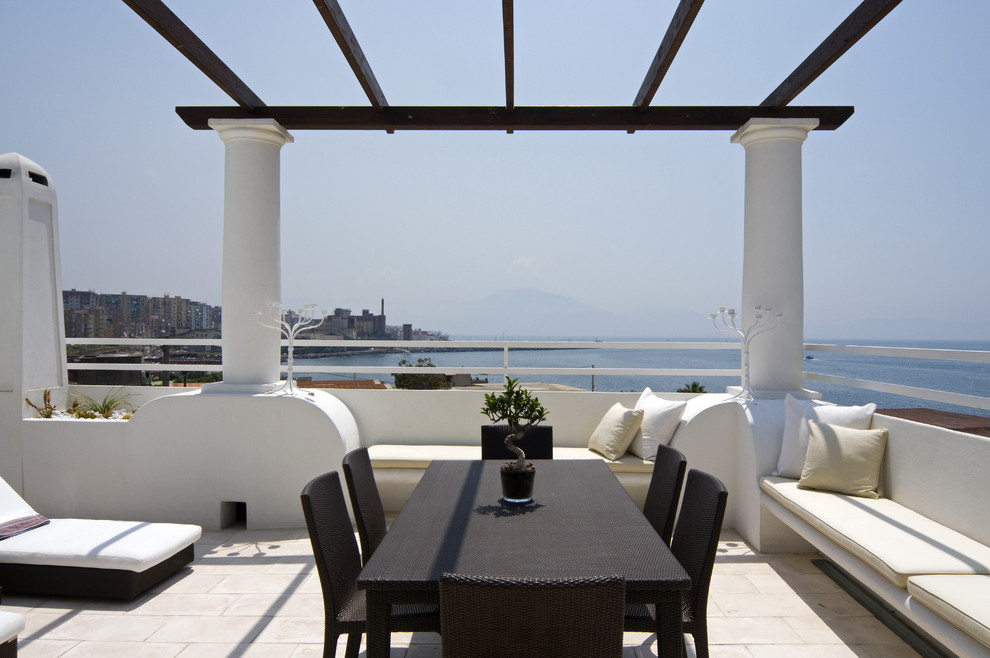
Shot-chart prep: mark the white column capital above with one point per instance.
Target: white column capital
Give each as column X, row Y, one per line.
column 760, row 129
column 264, row 130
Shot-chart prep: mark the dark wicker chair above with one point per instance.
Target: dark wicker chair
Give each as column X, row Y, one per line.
column 665, row 490
column 497, row 617
column 537, row 444
column 338, row 564
column 694, row 544
column 369, row 514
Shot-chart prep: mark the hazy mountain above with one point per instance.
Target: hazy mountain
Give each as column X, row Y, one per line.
column 527, row 312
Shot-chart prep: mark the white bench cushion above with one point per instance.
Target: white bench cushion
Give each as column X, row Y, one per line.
column 895, row 541
column 125, row 545
column 392, row 456
column 961, row 600
column 11, row 624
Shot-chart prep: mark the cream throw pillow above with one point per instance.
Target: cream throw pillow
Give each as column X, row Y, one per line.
column 660, row 420
column 616, row 431
column 797, row 413
column 843, row 460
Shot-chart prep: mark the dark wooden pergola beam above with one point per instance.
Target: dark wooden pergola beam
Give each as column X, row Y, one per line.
column 857, row 24
column 626, row 118
column 167, row 24
column 684, row 16
column 333, row 16
column 508, row 46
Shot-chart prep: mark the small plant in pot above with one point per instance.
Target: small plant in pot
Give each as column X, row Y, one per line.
column 517, row 407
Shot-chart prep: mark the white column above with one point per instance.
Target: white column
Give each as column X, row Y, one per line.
column 773, row 265
column 251, row 257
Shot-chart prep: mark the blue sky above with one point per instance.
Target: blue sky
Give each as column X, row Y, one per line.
column 647, row 226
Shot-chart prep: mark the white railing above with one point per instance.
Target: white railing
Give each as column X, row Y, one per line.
column 507, row 369
column 961, row 399
column 418, row 345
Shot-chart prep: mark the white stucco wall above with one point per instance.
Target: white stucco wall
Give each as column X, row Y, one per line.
column 180, row 457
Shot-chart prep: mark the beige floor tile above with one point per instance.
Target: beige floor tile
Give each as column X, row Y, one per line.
column 189, row 583
column 91, row 606
column 35, row 648
column 107, row 628
column 268, row 605
column 762, row 605
column 260, row 584
column 124, row 650
column 755, row 630
column 296, row 630
column 187, row 604
column 804, row 651
column 220, row 630
column 846, row 630
column 830, row 606
column 804, row 582
column 205, row 650
column 901, row 650
column 738, row 584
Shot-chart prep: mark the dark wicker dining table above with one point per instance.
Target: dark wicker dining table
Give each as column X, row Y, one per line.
column 581, row 523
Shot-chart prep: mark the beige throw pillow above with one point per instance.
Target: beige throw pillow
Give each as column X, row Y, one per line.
column 616, row 431
column 843, row 460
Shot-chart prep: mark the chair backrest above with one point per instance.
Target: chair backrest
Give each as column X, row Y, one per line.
column 495, row 617
column 695, row 540
column 369, row 514
column 334, row 547
column 537, row 444
column 665, row 490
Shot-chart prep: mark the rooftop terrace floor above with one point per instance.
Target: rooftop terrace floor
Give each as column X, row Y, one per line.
column 256, row 594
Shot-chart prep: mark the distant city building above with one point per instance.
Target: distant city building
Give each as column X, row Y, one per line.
column 102, row 315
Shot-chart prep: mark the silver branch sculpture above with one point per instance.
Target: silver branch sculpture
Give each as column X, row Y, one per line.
column 764, row 319
column 305, row 320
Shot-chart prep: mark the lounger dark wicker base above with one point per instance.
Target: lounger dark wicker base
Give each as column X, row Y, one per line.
column 87, row 582
column 9, row 648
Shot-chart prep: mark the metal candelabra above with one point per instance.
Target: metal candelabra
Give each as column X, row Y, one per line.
column 764, row 319
column 305, row 320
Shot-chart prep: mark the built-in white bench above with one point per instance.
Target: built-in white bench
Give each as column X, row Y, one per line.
column 447, row 425
column 924, row 547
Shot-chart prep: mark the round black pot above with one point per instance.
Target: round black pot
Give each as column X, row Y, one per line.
column 517, row 486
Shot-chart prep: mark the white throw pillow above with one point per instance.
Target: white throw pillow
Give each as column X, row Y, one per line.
column 797, row 413
column 616, row 431
column 660, row 420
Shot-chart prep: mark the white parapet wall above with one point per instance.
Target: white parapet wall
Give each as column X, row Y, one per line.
column 189, row 458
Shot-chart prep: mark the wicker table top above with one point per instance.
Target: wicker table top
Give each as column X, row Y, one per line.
column 581, row 523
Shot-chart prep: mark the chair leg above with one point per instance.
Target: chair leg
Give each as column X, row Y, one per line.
column 353, row 645
column 700, row 636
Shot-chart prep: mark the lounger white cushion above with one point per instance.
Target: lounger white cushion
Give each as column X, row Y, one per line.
column 11, row 625
column 124, row 545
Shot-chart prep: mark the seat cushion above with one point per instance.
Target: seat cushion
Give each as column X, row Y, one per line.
column 389, row 456
column 961, row 600
column 895, row 541
column 124, row 545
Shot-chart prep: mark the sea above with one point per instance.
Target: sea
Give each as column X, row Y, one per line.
column 951, row 376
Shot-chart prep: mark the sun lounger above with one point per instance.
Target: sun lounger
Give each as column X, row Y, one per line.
column 84, row 557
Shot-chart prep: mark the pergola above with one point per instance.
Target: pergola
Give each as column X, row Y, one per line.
column 254, row 132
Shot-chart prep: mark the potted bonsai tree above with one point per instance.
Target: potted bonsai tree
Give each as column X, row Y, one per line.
column 517, row 407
